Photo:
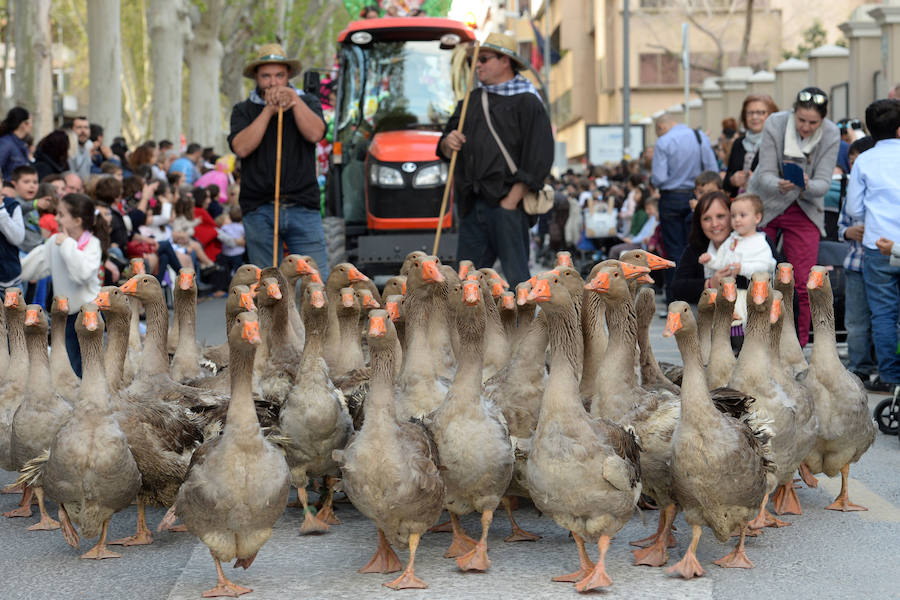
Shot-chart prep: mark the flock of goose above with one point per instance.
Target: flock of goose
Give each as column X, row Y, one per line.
column 437, row 393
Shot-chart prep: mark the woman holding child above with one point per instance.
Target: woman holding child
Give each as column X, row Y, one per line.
column 804, row 137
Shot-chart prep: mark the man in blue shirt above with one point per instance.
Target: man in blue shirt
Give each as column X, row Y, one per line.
column 187, row 164
column 681, row 153
column 873, row 194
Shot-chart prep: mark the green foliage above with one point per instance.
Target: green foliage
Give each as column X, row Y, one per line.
column 813, row 37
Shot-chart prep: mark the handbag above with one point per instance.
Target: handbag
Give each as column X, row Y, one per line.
column 534, row 203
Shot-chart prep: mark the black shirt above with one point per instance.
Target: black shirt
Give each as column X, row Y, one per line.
column 735, row 164
column 298, row 159
column 522, row 123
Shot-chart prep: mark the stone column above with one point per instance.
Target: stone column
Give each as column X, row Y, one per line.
column 887, row 17
column 695, row 116
column 711, row 94
column 762, row 82
column 734, row 90
column 676, row 111
column 791, row 76
column 864, row 39
column 829, row 67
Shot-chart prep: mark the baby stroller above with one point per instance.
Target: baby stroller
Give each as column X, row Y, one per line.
column 887, row 414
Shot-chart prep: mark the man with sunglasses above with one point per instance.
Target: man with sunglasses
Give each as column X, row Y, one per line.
column 488, row 192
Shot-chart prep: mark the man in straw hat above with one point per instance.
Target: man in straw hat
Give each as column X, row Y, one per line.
column 253, row 138
column 488, row 195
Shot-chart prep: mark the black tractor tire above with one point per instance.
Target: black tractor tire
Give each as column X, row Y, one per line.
column 335, row 242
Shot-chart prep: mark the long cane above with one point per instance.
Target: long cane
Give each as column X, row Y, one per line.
column 459, row 128
column 275, row 248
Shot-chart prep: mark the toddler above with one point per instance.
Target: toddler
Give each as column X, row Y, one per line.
column 746, row 249
column 233, row 252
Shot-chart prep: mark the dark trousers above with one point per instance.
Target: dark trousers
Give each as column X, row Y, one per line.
column 487, row 233
column 674, row 207
column 73, row 349
column 167, row 258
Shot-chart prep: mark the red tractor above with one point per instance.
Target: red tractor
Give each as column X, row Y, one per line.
column 394, row 96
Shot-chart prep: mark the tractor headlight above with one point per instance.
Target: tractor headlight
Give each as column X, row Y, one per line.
column 431, row 176
column 383, row 176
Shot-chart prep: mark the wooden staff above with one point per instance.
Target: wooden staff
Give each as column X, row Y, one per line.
column 459, row 128
column 275, row 248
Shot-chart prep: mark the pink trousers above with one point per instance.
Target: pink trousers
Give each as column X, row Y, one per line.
column 801, row 248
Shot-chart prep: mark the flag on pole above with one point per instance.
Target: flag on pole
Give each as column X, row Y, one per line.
column 537, row 51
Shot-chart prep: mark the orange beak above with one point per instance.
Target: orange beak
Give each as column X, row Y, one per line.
column 431, row 273
column 497, row 289
column 658, row 262
column 138, row 268
column 471, row 293
column 317, row 298
column 775, row 313
column 759, row 292
column 185, row 281
column 403, row 287
column 258, row 273
column 315, row 277
column 600, row 283
column 273, row 290
column 356, row 275
column 509, row 301
column 645, row 279
column 816, row 280
column 370, row 302
column 564, row 259
column 62, row 303
column 347, row 299
column 633, row 271
column 10, row 299
column 247, row 301
column 712, row 296
column 673, row 324
column 785, row 272
column 250, row 332
column 377, row 326
column 31, row 317
column 130, row 286
column 303, row 267
column 463, row 271
column 102, row 301
column 522, row 296
column 254, row 287
column 730, row 291
column 90, row 320
column 393, row 310
column 540, row 291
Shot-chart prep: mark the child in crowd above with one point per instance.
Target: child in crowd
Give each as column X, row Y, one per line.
column 857, row 316
column 642, row 238
column 745, row 248
column 705, row 182
column 25, row 184
column 233, row 255
column 12, row 233
column 873, row 194
column 47, row 222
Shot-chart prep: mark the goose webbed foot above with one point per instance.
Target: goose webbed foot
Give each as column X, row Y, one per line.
column 24, row 509
column 100, row 551
column 518, row 534
column 737, row 558
column 225, row 587
column 689, row 567
column 598, row 577
column 408, row 579
column 461, row 543
column 384, row 560
column 785, row 500
column 842, row 502
column 585, row 564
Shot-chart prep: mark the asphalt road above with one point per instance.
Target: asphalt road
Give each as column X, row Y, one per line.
column 824, row 554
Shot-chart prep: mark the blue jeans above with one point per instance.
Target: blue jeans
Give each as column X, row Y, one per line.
column 674, row 208
column 73, row 348
column 858, row 320
column 299, row 228
column 883, row 293
column 487, row 233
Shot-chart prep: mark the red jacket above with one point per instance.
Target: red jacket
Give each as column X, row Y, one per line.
column 205, row 233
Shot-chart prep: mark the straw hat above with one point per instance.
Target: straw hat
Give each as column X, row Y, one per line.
column 505, row 45
column 271, row 54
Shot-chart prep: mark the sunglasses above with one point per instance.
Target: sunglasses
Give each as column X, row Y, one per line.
column 817, row 99
column 483, row 58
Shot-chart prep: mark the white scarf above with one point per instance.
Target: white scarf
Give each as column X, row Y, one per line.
column 796, row 148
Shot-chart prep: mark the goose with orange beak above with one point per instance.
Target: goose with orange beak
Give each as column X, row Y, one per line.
column 733, row 444
column 790, row 351
column 342, row 276
column 64, row 379
column 583, row 472
column 721, row 356
column 846, row 430
column 186, row 361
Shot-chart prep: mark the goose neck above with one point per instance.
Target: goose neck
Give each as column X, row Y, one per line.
column 155, row 358
column 39, row 379
column 118, row 332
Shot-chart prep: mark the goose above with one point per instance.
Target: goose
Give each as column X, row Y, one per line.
column 246, row 275
column 238, row 482
column 117, row 307
column 63, row 377
column 396, row 285
column 90, row 471
column 706, row 309
column 186, row 362
column 295, row 267
column 17, row 378
column 721, row 356
column 721, row 464
column 790, row 351
column 389, row 467
column 41, row 413
column 506, row 305
column 496, row 343
column 278, row 374
column 4, row 348
column 343, row 275
column 314, row 416
column 845, row 430
column 466, row 419
column 582, row 472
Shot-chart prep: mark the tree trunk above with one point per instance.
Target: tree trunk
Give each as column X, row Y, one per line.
column 168, row 26
column 204, row 58
column 33, row 84
column 105, row 55
column 748, row 27
column 236, row 31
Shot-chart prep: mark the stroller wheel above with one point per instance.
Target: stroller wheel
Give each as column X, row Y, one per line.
column 887, row 416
